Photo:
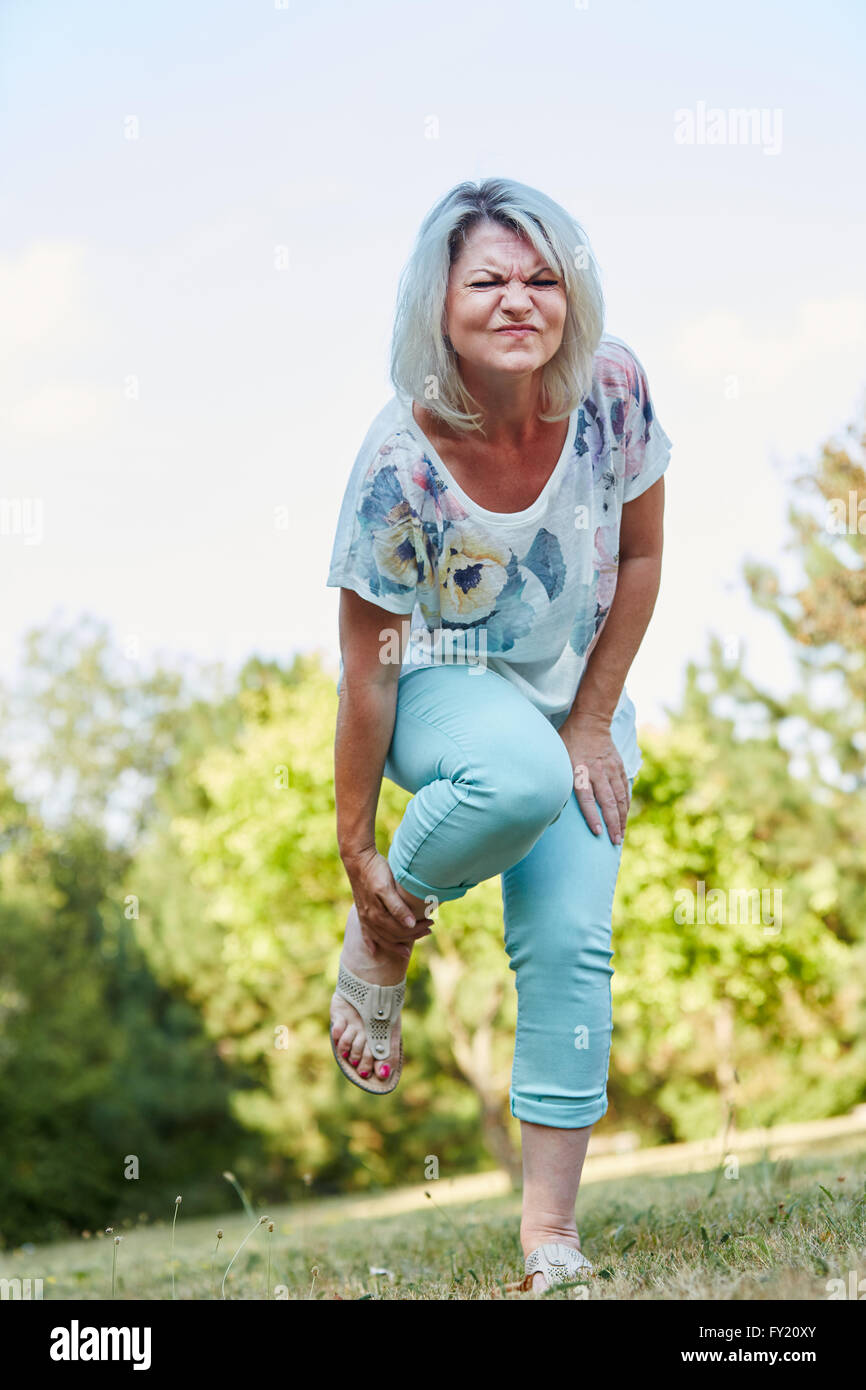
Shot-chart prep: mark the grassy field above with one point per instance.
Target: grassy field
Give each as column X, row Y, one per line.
column 780, row 1230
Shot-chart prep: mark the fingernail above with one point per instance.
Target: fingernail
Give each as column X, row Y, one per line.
column 386, row 1070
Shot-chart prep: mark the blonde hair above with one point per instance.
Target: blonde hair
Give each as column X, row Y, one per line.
column 420, row 351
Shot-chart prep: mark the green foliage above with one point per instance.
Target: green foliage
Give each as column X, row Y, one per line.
column 97, row 1063
column 777, row 1000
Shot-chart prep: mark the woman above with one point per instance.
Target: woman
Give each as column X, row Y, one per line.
column 498, row 554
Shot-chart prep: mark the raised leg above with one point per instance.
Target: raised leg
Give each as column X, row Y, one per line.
column 489, row 774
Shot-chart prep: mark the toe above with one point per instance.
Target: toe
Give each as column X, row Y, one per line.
column 365, row 1065
column 339, row 1019
column 357, row 1047
column 342, row 1033
column 388, row 1065
column 346, row 1038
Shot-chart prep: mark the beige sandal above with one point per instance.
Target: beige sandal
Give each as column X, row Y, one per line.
column 560, row 1264
column 379, row 1007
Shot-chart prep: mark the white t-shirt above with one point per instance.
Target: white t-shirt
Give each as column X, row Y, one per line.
column 525, row 593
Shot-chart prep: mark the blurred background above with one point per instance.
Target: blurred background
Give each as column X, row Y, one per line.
column 205, row 211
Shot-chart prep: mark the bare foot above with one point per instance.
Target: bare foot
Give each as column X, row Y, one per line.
column 347, row 1028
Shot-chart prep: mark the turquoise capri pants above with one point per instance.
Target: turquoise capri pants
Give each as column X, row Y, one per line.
column 493, row 793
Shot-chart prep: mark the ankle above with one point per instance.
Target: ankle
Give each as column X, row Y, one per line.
column 534, row 1233
column 382, row 966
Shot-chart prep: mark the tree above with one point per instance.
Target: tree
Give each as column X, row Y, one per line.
column 97, row 1063
column 785, row 806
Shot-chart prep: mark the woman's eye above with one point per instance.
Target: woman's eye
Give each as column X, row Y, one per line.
column 488, row 284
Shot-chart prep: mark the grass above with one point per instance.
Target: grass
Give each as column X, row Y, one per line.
column 780, row 1230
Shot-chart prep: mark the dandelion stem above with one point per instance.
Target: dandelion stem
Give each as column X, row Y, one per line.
column 215, row 1253
column 455, row 1229
column 177, row 1202
column 230, row 1177
column 261, row 1221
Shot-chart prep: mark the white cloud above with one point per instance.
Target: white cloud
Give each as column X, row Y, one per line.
column 719, row 344
column 46, row 304
column 71, row 411
column 50, row 323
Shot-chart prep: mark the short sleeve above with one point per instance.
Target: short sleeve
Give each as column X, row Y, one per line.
column 646, row 446
column 379, row 549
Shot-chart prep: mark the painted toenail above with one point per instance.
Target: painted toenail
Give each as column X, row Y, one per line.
column 386, row 1070
column 354, row 1064
column 345, row 1054
column 363, row 1073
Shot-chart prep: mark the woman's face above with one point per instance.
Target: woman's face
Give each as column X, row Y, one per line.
column 498, row 282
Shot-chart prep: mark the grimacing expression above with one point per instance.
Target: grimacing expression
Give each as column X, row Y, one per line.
column 505, row 306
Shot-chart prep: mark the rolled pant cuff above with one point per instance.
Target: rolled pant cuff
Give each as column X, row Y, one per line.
column 423, row 890
column 556, row 1112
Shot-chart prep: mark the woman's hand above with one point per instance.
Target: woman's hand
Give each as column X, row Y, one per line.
column 599, row 774
column 386, row 919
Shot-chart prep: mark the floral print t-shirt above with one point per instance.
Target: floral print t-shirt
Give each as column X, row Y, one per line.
column 524, row 593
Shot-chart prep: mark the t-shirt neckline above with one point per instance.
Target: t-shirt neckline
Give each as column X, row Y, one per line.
column 529, row 513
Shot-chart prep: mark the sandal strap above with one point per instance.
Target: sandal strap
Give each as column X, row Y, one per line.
column 378, row 1006
column 557, row 1262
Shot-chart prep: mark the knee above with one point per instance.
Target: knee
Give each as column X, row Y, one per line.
column 558, row 917
column 563, row 943
column 536, row 779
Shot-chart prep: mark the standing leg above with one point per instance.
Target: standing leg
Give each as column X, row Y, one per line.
column 552, row 1165
column 558, row 902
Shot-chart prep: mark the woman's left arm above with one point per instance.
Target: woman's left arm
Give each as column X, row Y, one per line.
column 586, row 731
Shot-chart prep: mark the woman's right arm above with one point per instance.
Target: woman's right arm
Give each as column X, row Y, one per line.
column 365, row 725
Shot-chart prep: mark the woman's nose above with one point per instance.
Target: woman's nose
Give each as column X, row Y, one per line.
column 515, row 295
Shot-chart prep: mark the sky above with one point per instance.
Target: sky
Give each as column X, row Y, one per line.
column 204, row 213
